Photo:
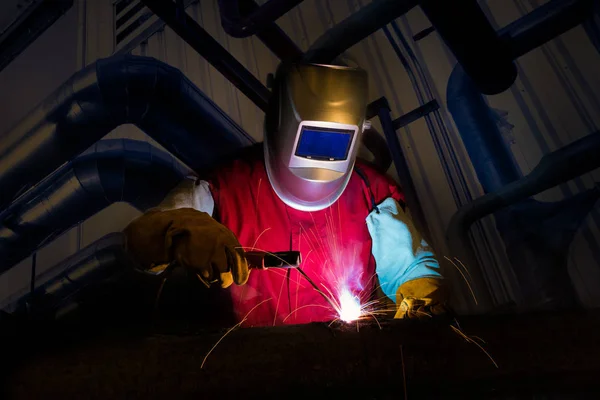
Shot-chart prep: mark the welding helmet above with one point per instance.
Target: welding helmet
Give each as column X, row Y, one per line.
column 312, row 132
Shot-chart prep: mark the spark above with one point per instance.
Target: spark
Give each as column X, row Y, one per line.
column 259, row 236
column 403, row 372
column 465, row 268
column 301, row 307
column 158, row 294
column 470, row 340
column 231, row 329
column 278, row 299
column 464, row 277
column 375, row 318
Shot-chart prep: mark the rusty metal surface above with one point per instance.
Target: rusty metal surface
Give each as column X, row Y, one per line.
column 535, row 354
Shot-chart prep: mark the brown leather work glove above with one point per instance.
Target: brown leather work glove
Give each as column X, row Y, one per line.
column 422, row 298
column 191, row 238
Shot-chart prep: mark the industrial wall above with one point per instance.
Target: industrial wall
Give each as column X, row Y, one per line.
column 554, row 102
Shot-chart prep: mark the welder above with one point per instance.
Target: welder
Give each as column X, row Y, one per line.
column 304, row 190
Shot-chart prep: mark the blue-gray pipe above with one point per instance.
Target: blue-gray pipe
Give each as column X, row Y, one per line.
column 491, row 157
column 100, row 260
column 142, row 91
column 113, row 170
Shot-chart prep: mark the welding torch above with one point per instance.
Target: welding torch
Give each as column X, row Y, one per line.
column 261, row 260
column 256, row 260
column 266, row 260
column 282, row 259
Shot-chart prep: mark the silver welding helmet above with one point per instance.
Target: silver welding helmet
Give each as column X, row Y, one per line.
column 312, row 132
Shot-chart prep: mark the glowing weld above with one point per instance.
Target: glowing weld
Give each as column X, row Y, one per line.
column 350, row 308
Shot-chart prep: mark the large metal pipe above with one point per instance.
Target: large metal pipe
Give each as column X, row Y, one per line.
column 143, row 91
column 491, row 158
column 99, row 261
column 555, row 168
column 544, row 24
column 459, row 23
column 113, row 170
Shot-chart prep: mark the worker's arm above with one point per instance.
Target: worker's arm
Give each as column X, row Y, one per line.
column 405, row 264
column 181, row 229
column 190, row 193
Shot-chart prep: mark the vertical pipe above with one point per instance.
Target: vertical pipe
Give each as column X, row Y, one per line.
column 492, row 160
column 408, row 186
column 468, row 34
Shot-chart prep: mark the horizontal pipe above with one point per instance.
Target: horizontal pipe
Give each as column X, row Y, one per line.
column 92, row 264
column 211, row 50
column 555, row 168
column 242, row 25
column 112, row 171
column 544, row 24
column 416, row 114
column 355, row 28
column 152, row 95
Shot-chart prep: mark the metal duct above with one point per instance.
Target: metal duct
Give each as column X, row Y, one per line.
column 113, row 170
column 154, row 96
column 98, row 261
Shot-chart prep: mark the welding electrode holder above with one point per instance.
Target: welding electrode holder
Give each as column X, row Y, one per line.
column 281, row 259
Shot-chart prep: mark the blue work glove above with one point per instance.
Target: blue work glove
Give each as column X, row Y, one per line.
column 403, row 257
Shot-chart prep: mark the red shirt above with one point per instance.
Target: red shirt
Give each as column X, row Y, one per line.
column 335, row 243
